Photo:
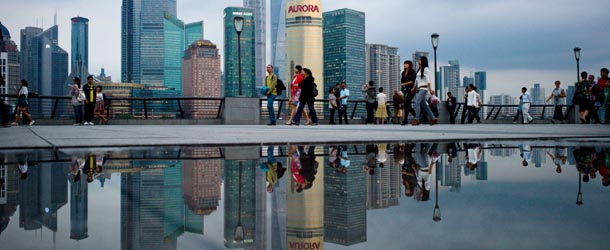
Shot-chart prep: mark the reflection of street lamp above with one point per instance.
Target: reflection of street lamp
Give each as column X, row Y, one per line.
column 577, row 56
column 436, row 215
column 579, row 196
column 238, row 23
column 239, row 229
column 435, row 45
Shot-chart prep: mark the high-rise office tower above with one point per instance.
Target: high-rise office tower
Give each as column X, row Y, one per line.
column 177, row 36
column 278, row 38
column 344, row 49
column 248, row 52
column 345, row 207
column 260, row 23
column 10, row 67
column 451, row 79
column 142, row 40
column 201, row 77
column 537, row 94
column 201, row 182
column 27, row 51
column 480, row 81
column 79, row 58
column 383, row 66
column 304, row 39
column 416, row 57
column 240, row 203
column 79, row 207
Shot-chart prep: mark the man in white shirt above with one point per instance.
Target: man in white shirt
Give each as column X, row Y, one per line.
column 471, row 104
column 559, row 97
column 343, row 96
column 526, row 100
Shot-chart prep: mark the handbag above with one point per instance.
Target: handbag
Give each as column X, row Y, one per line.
column 263, row 90
column 81, row 96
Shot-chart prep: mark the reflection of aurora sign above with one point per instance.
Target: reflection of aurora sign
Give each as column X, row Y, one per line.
column 304, row 245
column 303, row 8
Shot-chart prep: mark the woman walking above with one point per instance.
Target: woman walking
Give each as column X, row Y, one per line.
column 382, row 112
column 407, row 84
column 22, row 104
column 295, row 93
column 100, row 105
column 397, row 102
column 422, row 83
column 307, row 98
column 77, row 101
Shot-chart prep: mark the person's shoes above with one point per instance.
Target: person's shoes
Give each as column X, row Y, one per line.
column 14, row 124
column 289, row 123
column 32, row 122
column 270, row 124
column 514, row 122
column 6, row 125
column 91, row 123
column 553, row 121
column 314, row 124
column 403, row 124
column 415, row 123
column 294, row 124
column 433, row 121
column 583, row 120
column 308, row 123
column 531, row 121
column 76, row 124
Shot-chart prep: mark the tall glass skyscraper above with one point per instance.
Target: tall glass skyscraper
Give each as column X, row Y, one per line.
column 451, row 79
column 248, row 52
column 278, row 38
column 260, row 13
column 176, row 38
column 344, row 49
column 480, row 81
column 79, row 58
column 142, row 40
column 383, row 66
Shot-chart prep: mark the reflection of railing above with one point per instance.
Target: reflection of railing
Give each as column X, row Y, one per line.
column 60, row 107
column 507, row 112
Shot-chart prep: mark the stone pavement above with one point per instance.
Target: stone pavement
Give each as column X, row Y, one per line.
column 23, row 137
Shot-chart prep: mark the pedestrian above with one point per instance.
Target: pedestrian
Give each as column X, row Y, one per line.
column 477, row 105
column 604, row 81
column 519, row 114
column 451, row 107
column 433, row 101
column 332, row 105
column 78, row 97
column 398, row 104
column 471, row 104
column 271, row 83
column 558, row 95
column 422, row 83
column 594, row 89
column 307, row 98
column 370, row 98
column 382, row 110
column 23, row 104
column 465, row 106
column 89, row 90
column 295, row 93
column 407, row 86
column 343, row 96
column 100, row 105
column 525, row 108
column 582, row 97
column 4, row 114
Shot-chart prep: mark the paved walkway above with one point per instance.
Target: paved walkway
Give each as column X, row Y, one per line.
column 121, row 136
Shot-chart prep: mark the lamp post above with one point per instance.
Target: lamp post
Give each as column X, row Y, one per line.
column 577, row 56
column 436, row 215
column 434, row 37
column 579, row 196
column 239, row 229
column 238, row 24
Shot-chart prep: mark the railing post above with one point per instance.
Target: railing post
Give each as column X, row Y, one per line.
column 354, row 111
column 279, row 109
column 180, row 107
column 108, row 109
column 490, row 112
column 145, row 110
column 543, row 110
column 54, row 108
column 220, row 108
column 498, row 113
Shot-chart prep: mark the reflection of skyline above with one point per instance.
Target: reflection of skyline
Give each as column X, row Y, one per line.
column 240, row 208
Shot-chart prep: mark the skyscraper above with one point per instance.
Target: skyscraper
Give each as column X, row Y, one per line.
column 79, row 58
column 248, row 52
column 278, row 38
column 177, row 36
column 537, row 94
column 142, row 40
column 344, row 48
column 201, row 77
column 416, row 57
column 304, row 39
column 383, row 66
column 260, row 23
column 451, row 79
column 10, row 67
column 480, row 81
column 27, row 51
column 240, row 203
column 79, row 207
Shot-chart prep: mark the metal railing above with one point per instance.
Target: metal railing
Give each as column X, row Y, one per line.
column 508, row 112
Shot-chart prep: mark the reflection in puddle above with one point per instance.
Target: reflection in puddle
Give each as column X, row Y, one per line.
column 307, row 197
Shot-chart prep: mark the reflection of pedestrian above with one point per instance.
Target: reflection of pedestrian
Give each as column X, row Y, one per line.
column 526, row 154
column 343, row 160
column 371, row 159
column 309, row 166
column 558, row 158
column 22, row 164
column 424, row 170
column 473, row 155
column 273, row 169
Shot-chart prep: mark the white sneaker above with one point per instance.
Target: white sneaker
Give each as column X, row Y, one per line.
column 91, row 124
column 32, row 122
column 14, row 124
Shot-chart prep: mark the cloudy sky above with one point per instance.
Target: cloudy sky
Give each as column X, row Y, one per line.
column 518, row 42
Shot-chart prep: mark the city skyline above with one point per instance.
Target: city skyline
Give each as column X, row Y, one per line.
column 543, row 57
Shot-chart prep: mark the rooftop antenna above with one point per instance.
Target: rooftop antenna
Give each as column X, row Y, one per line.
column 42, row 25
column 37, row 22
column 55, row 17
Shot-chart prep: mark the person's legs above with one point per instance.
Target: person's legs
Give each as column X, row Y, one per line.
column 4, row 117
column 293, row 112
column 312, row 112
column 452, row 116
column 332, row 116
column 419, row 98
column 89, row 108
column 477, row 114
column 607, row 115
column 428, row 111
column 526, row 115
column 369, row 113
column 464, row 113
column 558, row 114
column 270, row 156
column 270, row 102
column 297, row 117
column 470, row 114
column 593, row 112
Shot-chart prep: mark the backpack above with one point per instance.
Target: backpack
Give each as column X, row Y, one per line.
column 280, row 87
column 81, row 96
column 315, row 90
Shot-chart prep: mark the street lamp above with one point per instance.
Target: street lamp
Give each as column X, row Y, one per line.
column 435, row 45
column 577, row 56
column 238, row 23
column 579, row 196
column 436, row 215
column 239, row 229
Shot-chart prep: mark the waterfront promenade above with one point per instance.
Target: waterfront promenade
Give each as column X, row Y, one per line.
column 200, row 135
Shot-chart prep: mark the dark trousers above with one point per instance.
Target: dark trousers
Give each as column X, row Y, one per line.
column 472, row 113
column 593, row 113
column 408, row 107
column 370, row 113
column 89, row 109
column 312, row 111
column 4, row 114
column 78, row 113
column 558, row 115
column 464, row 113
column 519, row 114
column 343, row 114
column 452, row 115
column 332, row 116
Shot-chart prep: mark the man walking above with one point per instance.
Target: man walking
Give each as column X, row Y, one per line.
column 451, row 107
column 343, row 96
column 527, row 103
column 604, row 85
column 89, row 90
column 559, row 97
column 471, row 103
column 271, row 83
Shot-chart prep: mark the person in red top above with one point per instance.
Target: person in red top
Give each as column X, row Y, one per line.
column 295, row 93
